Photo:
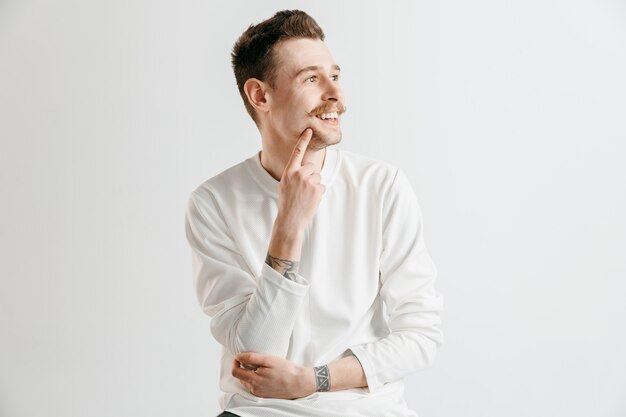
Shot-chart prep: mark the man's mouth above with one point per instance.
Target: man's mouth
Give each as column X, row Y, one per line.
column 329, row 118
column 332, row 115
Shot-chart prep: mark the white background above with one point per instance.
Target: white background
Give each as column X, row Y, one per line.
column 508, row 117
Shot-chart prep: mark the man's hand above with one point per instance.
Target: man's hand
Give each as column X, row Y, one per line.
column 274, row 377
column 299, row 195
column 300, row 188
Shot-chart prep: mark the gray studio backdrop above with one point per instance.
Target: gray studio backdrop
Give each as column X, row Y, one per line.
column 508, row 117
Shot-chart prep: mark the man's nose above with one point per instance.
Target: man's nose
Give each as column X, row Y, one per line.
column 332, row 91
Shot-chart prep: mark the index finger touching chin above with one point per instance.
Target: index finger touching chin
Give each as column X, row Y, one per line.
column 295, row 161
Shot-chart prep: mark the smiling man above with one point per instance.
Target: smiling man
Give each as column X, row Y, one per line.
column 310, row 260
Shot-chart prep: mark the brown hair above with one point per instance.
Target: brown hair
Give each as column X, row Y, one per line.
column 253, row 53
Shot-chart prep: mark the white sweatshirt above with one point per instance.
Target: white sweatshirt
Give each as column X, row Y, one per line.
column 365, row 283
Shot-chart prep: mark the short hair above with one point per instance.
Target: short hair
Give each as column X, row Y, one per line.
column 253, row 53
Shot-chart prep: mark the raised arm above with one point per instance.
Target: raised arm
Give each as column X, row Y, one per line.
column 299, row 196
column 254, row 313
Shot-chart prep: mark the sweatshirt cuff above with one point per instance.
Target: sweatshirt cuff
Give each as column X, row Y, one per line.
column 298, row 287
column 373, row 383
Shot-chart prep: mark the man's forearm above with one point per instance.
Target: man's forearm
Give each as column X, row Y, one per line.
column 263, row 314
column 270, row 376
column 284, row 249
column 345, row 373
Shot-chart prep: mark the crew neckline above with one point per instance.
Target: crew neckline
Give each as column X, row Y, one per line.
column 269, row 183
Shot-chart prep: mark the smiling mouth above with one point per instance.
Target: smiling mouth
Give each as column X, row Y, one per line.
column 331, row 115
column 331, row 118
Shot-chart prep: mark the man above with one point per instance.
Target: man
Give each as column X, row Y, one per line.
column 310, row 260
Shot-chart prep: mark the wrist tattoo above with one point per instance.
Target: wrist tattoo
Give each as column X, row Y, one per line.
column 322, row 378
column 287, row 268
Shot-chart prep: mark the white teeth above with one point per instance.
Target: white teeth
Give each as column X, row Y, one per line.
column 332, row 115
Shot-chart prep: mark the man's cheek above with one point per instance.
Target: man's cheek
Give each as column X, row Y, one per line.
column 307, row 124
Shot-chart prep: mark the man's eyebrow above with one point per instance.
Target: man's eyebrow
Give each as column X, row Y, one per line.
column 315, row 68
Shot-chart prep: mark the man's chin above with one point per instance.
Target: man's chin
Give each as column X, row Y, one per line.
column 319, row 142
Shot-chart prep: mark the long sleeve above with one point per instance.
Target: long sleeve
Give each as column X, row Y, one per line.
column 249, row 313
column 407, row 276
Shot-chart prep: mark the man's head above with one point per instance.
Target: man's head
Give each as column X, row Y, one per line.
column 287, row 78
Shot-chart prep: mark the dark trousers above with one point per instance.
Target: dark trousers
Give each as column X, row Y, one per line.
column 227, row 414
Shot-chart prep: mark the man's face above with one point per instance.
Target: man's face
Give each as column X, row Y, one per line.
column 306, row 90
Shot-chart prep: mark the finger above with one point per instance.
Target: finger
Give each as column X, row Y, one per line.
column 241, row 373
column 295, row 161
column 316, row 178
column 236, row 364
column 245, row 365
column 308, row 168
column 252, row 358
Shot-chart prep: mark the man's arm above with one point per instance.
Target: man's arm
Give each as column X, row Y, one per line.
column 299, row 196
column 254, row 313
column 407, row 277
column 273, row 377
column 248, row 312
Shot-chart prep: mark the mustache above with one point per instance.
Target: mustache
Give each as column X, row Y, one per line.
column 339, row 107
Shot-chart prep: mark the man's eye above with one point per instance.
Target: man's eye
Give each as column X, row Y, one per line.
column 335, row 77
column 311, row 79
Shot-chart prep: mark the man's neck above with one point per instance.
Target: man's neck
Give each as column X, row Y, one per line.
column 274, row 159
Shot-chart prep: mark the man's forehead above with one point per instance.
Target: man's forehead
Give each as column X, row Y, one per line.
column 298, row 55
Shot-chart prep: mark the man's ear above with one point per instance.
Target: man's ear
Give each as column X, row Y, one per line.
column 256, row 92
